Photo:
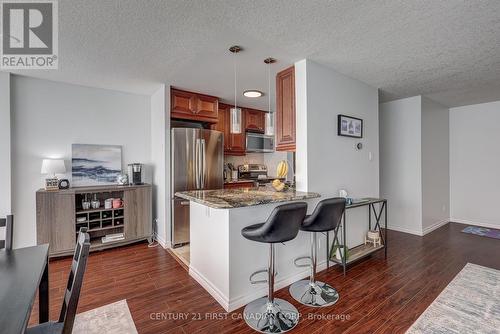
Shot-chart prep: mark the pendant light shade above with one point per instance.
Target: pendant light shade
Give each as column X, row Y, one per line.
column 235, row 112
column 269, row 125
column 235, row 116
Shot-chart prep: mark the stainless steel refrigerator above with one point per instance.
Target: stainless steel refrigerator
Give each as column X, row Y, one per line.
column 197, row 158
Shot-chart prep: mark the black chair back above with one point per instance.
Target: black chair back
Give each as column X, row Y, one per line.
column 75, row 280
column 284, row 222
column 326, row 216
column 8, row 223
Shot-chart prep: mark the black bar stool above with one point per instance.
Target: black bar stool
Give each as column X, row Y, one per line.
column 326, row 216
column 269, row 314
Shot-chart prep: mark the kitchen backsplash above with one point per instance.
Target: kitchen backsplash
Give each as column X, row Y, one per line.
column 271, row 160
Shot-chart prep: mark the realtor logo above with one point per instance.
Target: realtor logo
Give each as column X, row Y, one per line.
column 29, row 34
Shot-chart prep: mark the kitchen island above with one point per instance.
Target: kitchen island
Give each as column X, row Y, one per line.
column 221, row 260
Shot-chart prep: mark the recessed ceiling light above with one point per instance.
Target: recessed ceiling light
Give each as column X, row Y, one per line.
column 252, row 93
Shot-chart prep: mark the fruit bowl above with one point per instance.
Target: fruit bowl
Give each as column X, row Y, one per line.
column 279, row 186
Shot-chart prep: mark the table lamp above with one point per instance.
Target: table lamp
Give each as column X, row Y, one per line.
column 51, row 167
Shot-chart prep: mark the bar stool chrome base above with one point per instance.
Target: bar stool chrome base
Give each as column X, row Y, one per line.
column 317, row 294
column 271, row 317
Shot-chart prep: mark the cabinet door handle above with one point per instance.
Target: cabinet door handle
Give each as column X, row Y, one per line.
column 184, row 203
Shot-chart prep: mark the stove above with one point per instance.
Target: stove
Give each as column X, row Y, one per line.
column 252, row 171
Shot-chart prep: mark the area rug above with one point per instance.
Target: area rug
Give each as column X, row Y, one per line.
column 113, row 318
column 469, row 304
column 482, row 231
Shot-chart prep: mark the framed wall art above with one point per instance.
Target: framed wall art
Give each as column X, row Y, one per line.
column 95, row 165
column 349, row 126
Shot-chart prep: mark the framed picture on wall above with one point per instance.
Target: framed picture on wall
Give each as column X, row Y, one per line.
column 349, row 126
column 95, row 165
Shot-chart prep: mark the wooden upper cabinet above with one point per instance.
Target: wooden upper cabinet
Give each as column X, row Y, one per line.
column 223, row 126
column 194, row 106
column 183, row 103
column 207, row 106
column 234, row 143
column 237, row 141
column 255, row 120
column 285, row 110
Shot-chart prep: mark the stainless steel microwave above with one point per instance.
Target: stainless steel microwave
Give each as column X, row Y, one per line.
column 257, row 142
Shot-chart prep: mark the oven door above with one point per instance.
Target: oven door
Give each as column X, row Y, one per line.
column 259, row 143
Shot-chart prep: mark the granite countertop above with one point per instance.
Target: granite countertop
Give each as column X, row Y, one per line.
column 237, row 198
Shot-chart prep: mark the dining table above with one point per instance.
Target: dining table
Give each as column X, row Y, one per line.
column 23, row 271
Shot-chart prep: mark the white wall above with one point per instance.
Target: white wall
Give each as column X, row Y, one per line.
column 160, row 156
column 414, row 167
column 435, row 165
column 5, row 156
column 475, row 164
column 327, row 162
column 301, row 128
column 47, row 117
column 400, row 163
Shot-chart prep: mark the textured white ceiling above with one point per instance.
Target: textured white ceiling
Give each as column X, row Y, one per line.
column 448, row 50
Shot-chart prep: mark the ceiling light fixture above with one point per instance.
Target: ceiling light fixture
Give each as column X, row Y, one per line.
column 253, row 93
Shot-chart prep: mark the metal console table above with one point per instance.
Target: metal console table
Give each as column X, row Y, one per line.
column 360, row 251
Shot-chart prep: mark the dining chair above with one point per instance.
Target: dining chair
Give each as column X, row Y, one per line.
column 68, row 311
column 8, row 223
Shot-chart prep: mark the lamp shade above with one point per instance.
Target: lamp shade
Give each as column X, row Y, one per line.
column 53, row 166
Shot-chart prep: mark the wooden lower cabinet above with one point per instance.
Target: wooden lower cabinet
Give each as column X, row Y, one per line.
column 136, row 202
column 59, row 217
column 55, row 221
column 285, row 110
column 234, row 185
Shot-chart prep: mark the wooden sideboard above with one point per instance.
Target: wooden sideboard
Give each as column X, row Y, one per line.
column 57, row 214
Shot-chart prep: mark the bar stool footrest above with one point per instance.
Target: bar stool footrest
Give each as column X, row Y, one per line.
column 300, row 265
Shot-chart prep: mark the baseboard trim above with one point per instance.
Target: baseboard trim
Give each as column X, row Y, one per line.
column 210, row 288
column 435, row 226
column 475, row 223
column 404, row 230
column 236, row 303
column 422, row 232
column 165, row 244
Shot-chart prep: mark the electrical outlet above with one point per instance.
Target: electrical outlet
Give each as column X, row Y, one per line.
column 443, row 208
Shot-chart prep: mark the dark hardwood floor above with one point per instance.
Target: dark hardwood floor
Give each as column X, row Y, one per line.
column 376, row 296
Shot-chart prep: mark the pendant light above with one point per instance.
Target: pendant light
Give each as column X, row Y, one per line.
column 235, row 112
column 269, row 127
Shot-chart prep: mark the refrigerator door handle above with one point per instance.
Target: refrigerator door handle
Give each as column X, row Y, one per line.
column 197, row 163
column 203, row 163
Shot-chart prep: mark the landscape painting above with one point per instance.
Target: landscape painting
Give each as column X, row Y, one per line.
column 95, row 165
